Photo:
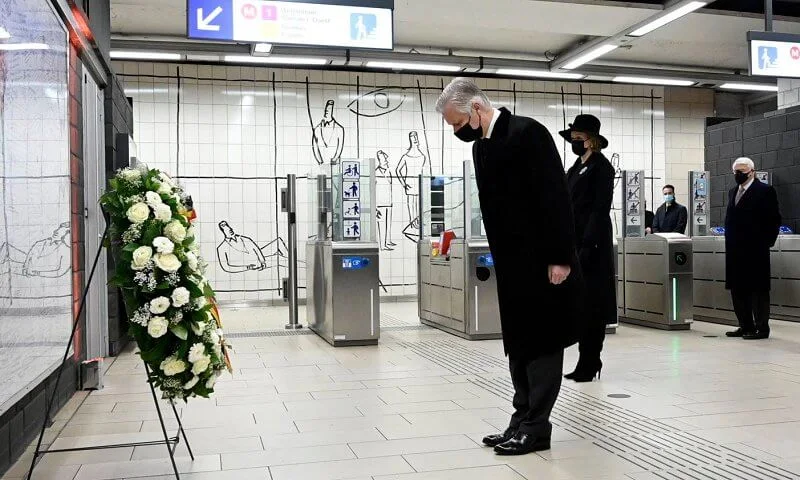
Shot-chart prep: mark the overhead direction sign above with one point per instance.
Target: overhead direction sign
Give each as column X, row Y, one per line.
column 349, row 24
column 774, row 54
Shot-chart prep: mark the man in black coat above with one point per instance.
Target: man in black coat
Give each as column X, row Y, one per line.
column 752, row 224
column 529, row 224
column 671, row 216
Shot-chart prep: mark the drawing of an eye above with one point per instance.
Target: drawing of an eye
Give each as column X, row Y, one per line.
column 377, row 103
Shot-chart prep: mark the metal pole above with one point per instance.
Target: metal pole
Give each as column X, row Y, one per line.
column 768, row 15
column 291, row 210
column 323, row 202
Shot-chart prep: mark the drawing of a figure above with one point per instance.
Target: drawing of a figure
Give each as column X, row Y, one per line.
column 328, row 138
column 237, row 253
column 48, row 258
column 412, row 164
column 384, row 185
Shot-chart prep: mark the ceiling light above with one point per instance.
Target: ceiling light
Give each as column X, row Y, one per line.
column 262, row 47
column 4, row 35
column 753, row 87
column 654, row 81
column 130, row 55
column 539, row 74
column 433, row 67
column 669, row 17
column 193, row 57
column 589, row 56
column 276, row 60
column 23, row 46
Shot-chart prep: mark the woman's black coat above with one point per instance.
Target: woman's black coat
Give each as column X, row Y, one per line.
column 591, row 187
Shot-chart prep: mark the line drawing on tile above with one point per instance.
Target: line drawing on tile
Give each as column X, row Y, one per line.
column 412, row 164
column 384, row 100
column 327, row 138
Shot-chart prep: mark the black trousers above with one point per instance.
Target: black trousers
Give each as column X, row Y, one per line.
column 536, row 387
column 752, row 310
column 591, row 343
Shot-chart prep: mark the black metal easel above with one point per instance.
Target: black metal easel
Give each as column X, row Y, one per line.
column 170, row 442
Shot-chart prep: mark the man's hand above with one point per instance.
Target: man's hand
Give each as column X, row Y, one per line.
column 558, row 273
column 648, row 230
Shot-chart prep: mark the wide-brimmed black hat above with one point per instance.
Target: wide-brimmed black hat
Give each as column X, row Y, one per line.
column 588, row 124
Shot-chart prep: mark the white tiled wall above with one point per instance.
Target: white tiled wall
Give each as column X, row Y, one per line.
column 686, row 110
column 241, row 128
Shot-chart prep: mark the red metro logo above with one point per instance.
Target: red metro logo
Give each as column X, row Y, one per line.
column 795, row 53
column 249, row 11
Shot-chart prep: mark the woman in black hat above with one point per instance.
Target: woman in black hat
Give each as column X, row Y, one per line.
column 591, row 184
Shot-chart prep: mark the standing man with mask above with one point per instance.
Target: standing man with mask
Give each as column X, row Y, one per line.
column 671, row 217
column 752, row 224
column 522, row 187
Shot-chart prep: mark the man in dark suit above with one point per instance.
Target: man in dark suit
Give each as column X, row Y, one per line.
column 529, row 224
column 671, row 216
column 752, row 224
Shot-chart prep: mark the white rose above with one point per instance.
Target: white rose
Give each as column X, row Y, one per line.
column 175, row 231
column 180, row 297
column 197, row 352
column 201, row 365
column 191, row 260
column 172, row 366
column 191, row 383
column 163, row 245
column 211, row 382
column 163, row 212
column 167, row 262
column 138, row 213
column 157, row 327
column 159, row 305
column 198, row 327
column 141, row 258
column 164, row 189
column 153, row 199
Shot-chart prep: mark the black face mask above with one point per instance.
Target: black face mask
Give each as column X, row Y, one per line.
column 469, row 134
column 741, row 177
column 578, row 147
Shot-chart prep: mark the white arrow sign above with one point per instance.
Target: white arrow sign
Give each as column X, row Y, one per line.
column 204, row 23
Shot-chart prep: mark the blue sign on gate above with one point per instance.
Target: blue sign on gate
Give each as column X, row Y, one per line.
column 354, row 263
column 210, row 19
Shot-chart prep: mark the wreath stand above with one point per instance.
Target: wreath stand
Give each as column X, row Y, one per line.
column 170, row 442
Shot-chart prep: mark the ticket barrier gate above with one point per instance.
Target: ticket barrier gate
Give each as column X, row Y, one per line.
column 342, row 259
column 712, row 302
column 658, row 290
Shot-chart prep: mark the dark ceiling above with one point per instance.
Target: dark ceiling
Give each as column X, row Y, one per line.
column 787, row 8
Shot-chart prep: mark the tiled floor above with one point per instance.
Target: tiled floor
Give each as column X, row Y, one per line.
column 416, row 406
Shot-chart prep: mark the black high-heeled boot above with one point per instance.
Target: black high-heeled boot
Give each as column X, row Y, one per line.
column 579, row 368
column 588, row 374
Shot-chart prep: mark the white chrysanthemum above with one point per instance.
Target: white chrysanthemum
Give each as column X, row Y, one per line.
column 167, row 262
column 201, row 365
column 218, row 350
column 157, row 327
column 164, row 189
column 213, row 337
column 199, row 303
column 138, row 213
column 153, row 199
column 141, row 258
column 173, row 366
column 130, row 174
column 191, row 383
column 198, row 327
column 197, row 352
column 180, row 296
column 163, row 212
column 163, row 245
column 175, row 231
column 159, row 305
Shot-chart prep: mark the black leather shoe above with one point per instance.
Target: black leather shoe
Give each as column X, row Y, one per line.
column 522, row 444
column 758, row 335
column 738, row 333
column 497, row 439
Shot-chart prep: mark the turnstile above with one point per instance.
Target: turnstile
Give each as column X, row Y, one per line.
column 458, row 293
column 342, row 258
column 457, row 290
column 712, row 302
column 342, row 283
column 658, row 281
